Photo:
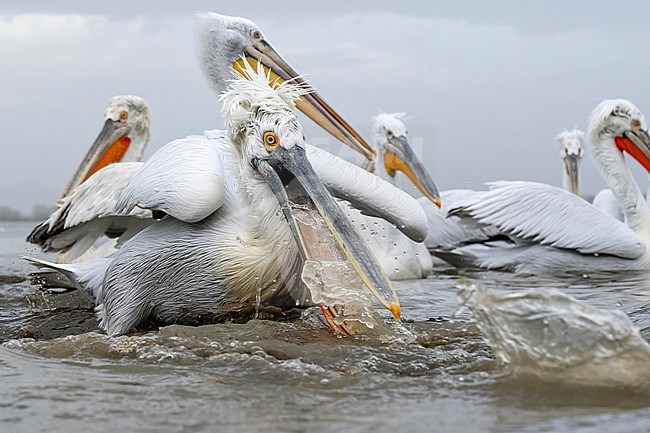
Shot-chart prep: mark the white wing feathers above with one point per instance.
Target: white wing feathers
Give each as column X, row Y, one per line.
column 551, row 216
column 183, row 179
column 449, row 232
column 89, row 211
column 96, row 197
column 367, row 192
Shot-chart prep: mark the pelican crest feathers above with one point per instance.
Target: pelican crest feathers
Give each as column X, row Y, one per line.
column 601, row 115
column 567, row 135
column 391, row 121
column 252, row 90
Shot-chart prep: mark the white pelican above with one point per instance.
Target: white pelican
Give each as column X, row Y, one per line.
column 401, row 258
column 395, row 252
column 556, row 231
column 223, row 42
column 229, row 234
column 571, row 152
column 78, row 228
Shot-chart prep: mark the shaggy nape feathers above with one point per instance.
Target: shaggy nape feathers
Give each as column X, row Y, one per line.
column 251, row 90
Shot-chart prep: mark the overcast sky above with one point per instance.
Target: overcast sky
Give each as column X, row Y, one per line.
column 488, row 85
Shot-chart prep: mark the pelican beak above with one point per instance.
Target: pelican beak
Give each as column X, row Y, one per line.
column 571, row 165
column 636, row 142
column 400, row 157
column 311, row 104
column 297, row 187
column 109, row 146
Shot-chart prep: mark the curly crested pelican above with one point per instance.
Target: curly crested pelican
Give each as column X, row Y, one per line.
column 226, row 42
column 571, row 152
column 401, row 258
column 76, row 229
column 546, row 223
column 84, row 217
column 124, row 138
column 229, row 234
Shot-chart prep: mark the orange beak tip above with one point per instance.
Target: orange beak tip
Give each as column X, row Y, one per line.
column 395, row 309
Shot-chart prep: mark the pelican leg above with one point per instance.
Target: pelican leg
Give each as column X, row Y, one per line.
column 330, row 314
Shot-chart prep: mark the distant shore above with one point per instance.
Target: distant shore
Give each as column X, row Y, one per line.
column 39, row 213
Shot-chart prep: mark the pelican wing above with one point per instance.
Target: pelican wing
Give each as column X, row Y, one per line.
column 183, row 179
column 449, row 232
column 369, row 193
column 89, row 211
column 551, row 216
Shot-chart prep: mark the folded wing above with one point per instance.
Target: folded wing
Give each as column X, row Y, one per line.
column 551, row 216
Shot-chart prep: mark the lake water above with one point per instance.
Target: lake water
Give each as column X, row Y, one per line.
column 59, row 374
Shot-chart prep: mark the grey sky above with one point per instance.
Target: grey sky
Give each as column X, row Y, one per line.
column 488, row 85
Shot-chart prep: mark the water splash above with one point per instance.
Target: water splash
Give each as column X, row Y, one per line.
column 334, row 283
column 258, row 300
column 546, row 334
column 330, row 278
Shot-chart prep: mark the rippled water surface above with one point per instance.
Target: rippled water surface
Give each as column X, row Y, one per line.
column 58, row 373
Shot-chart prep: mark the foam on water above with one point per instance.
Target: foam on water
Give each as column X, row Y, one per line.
column 552, row 336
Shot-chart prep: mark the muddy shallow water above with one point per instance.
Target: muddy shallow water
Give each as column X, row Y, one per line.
column 438, row 373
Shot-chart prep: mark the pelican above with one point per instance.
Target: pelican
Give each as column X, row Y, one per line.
column 225, row 42
column 571, row 152
column 229, row 234
column 554, row 230
column 78, row 227
column 401, row 258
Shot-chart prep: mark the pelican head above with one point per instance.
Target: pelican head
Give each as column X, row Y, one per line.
column 266, row 133
column 225, row 42
column 620, row 121
column 571, row 152
column 391, row 140
column 124, row 137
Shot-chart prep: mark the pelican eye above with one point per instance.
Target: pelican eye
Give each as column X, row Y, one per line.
column 389, row 134
column 124, row 116
column 271, row 140
column 636, row 123
column 256, row 34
